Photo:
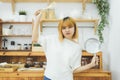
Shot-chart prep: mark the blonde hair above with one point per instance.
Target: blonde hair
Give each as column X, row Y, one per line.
column 70, row 22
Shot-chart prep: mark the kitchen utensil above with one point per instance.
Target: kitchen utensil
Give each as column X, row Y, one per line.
column 92, row 45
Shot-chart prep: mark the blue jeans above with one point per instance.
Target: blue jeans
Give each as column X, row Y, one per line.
column 46, row 78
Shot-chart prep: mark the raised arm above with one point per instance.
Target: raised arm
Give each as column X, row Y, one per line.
column 35, row 22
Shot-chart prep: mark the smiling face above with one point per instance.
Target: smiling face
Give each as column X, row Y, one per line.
column 68, row 30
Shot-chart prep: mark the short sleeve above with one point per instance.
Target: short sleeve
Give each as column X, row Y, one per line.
column 76, row 60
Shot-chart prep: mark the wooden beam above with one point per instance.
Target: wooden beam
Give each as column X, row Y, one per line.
column 83, row 6
column 95, row 25
column 48, row 2
column 13, row 6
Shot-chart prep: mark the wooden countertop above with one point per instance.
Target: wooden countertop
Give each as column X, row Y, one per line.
column 94, row 73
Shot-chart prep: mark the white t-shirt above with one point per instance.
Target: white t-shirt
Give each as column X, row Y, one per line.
column 62, row 57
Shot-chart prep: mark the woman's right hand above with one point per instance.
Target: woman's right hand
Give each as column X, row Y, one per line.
column 37, row 12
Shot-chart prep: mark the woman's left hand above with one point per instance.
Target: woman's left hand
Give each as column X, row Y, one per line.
column 94, row 61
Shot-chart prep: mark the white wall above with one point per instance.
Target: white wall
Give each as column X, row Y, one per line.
column 62, row 9
column 114, row 40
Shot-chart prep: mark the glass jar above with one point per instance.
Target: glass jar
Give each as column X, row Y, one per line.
column 12, row 45
column 30, row 46
column 25, row 47
column 51, row 13
column 29, row 62
column 37, row 64
column 19, row 47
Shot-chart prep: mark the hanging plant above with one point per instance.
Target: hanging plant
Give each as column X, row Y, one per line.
column 103, row 11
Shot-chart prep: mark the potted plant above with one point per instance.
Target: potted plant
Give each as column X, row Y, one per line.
column 22, row 15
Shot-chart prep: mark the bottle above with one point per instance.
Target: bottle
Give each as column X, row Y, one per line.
column 25, row 47
column 12, row 45
column 19, row 47
column 30, row 46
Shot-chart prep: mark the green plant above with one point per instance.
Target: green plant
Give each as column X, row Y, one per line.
column 36, row 45
column 103, row 11
column 22, row 12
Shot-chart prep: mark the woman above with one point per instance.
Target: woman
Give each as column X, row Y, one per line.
column 63, row 52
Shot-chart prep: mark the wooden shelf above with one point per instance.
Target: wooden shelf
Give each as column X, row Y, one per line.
column 16, row 53
column 2, row 50
column 20, row 53
column 95, row 21
column 37, row 54
column 1, row 53
column 77, row 20
column 13, row 52
column 15, row 35
column 12, row 22
column 41, row 55
column 88, row 54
